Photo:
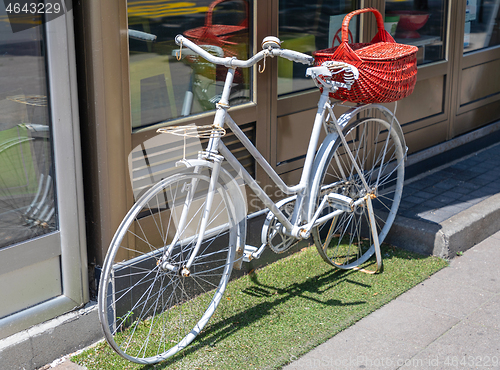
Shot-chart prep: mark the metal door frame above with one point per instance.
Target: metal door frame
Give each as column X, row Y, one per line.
column 69, row 242
column 470, row 115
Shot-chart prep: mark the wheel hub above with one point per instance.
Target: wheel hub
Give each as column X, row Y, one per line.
column 168, row 266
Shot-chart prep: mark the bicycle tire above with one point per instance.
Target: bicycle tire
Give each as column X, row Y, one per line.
column 346, row 241
column 148, row 314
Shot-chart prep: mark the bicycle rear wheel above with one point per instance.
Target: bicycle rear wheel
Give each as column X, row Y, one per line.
column 346, row 242
column 150, row 312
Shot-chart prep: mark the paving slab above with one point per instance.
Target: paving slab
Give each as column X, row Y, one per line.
column 472, row 344
column 382, row 340
column 440, row 294
column 10, row 358
column 479, row 267
column 38, row 346
column 451, row 209
column 60, row 338
column 446, row 230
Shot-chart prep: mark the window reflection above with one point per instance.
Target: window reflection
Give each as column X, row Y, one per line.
column 27, row 202
column 163, row 88
column 307, row 26
column 421, row 23
column 482, row 28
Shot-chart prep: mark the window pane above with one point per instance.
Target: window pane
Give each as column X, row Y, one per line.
column 421, row 23
column 163, row 88
column 482, row 29
column 27, row 201
column 307, row 26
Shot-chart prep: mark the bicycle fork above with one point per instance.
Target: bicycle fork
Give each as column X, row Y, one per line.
column 191, row 189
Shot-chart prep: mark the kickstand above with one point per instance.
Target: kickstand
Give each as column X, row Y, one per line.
column 373, row 227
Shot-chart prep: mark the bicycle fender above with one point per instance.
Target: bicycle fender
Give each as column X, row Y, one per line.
column 319, row 162
column 329, row 141
column 239, row 203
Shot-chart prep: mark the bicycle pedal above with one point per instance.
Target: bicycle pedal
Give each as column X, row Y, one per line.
column 248, row 253
column 341, row 202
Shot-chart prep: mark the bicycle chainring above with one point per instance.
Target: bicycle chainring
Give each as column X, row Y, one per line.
column 272, row 231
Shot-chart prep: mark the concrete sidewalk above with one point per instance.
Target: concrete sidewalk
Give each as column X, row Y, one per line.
column 451, row 320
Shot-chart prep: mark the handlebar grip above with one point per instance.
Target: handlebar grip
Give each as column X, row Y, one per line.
column 295, row 56
column 139, row 35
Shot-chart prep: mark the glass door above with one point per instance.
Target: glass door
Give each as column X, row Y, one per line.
column 164, row 87
column 316, row 25
column 421, row 23
column 481, row 27
column 425, row 114
column 477, row 99
column 173, row 85
column 304, row 27
column 41, row 230
column 27, row 201
column 307, row 27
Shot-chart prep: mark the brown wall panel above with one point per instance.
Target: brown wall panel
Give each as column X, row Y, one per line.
column 426, row 100
column 293, row 135
column 476, row 118
column 292, row 177
column 426, row 137
column 479, row 82
column 294, row 131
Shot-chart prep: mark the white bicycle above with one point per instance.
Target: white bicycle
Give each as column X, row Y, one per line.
column 171, row 258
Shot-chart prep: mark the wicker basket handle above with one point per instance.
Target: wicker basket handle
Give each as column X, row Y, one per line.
column 338, row 36
column 208, row 18
column 348, row 17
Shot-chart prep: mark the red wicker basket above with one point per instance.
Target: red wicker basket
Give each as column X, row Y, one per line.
column 230, row 38
column 387, row 70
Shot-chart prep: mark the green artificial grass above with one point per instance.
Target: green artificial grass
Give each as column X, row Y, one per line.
column 283, row 311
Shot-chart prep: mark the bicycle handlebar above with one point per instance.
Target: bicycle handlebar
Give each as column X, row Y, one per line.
column 294, row 56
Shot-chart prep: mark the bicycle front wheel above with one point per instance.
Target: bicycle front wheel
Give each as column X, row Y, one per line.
column 346, row 242
column 148, row 309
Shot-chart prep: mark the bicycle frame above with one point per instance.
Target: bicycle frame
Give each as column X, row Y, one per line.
column 301, row 222
column 300, row 191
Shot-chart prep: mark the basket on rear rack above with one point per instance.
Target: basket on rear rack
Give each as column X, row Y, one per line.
column 387, row 70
